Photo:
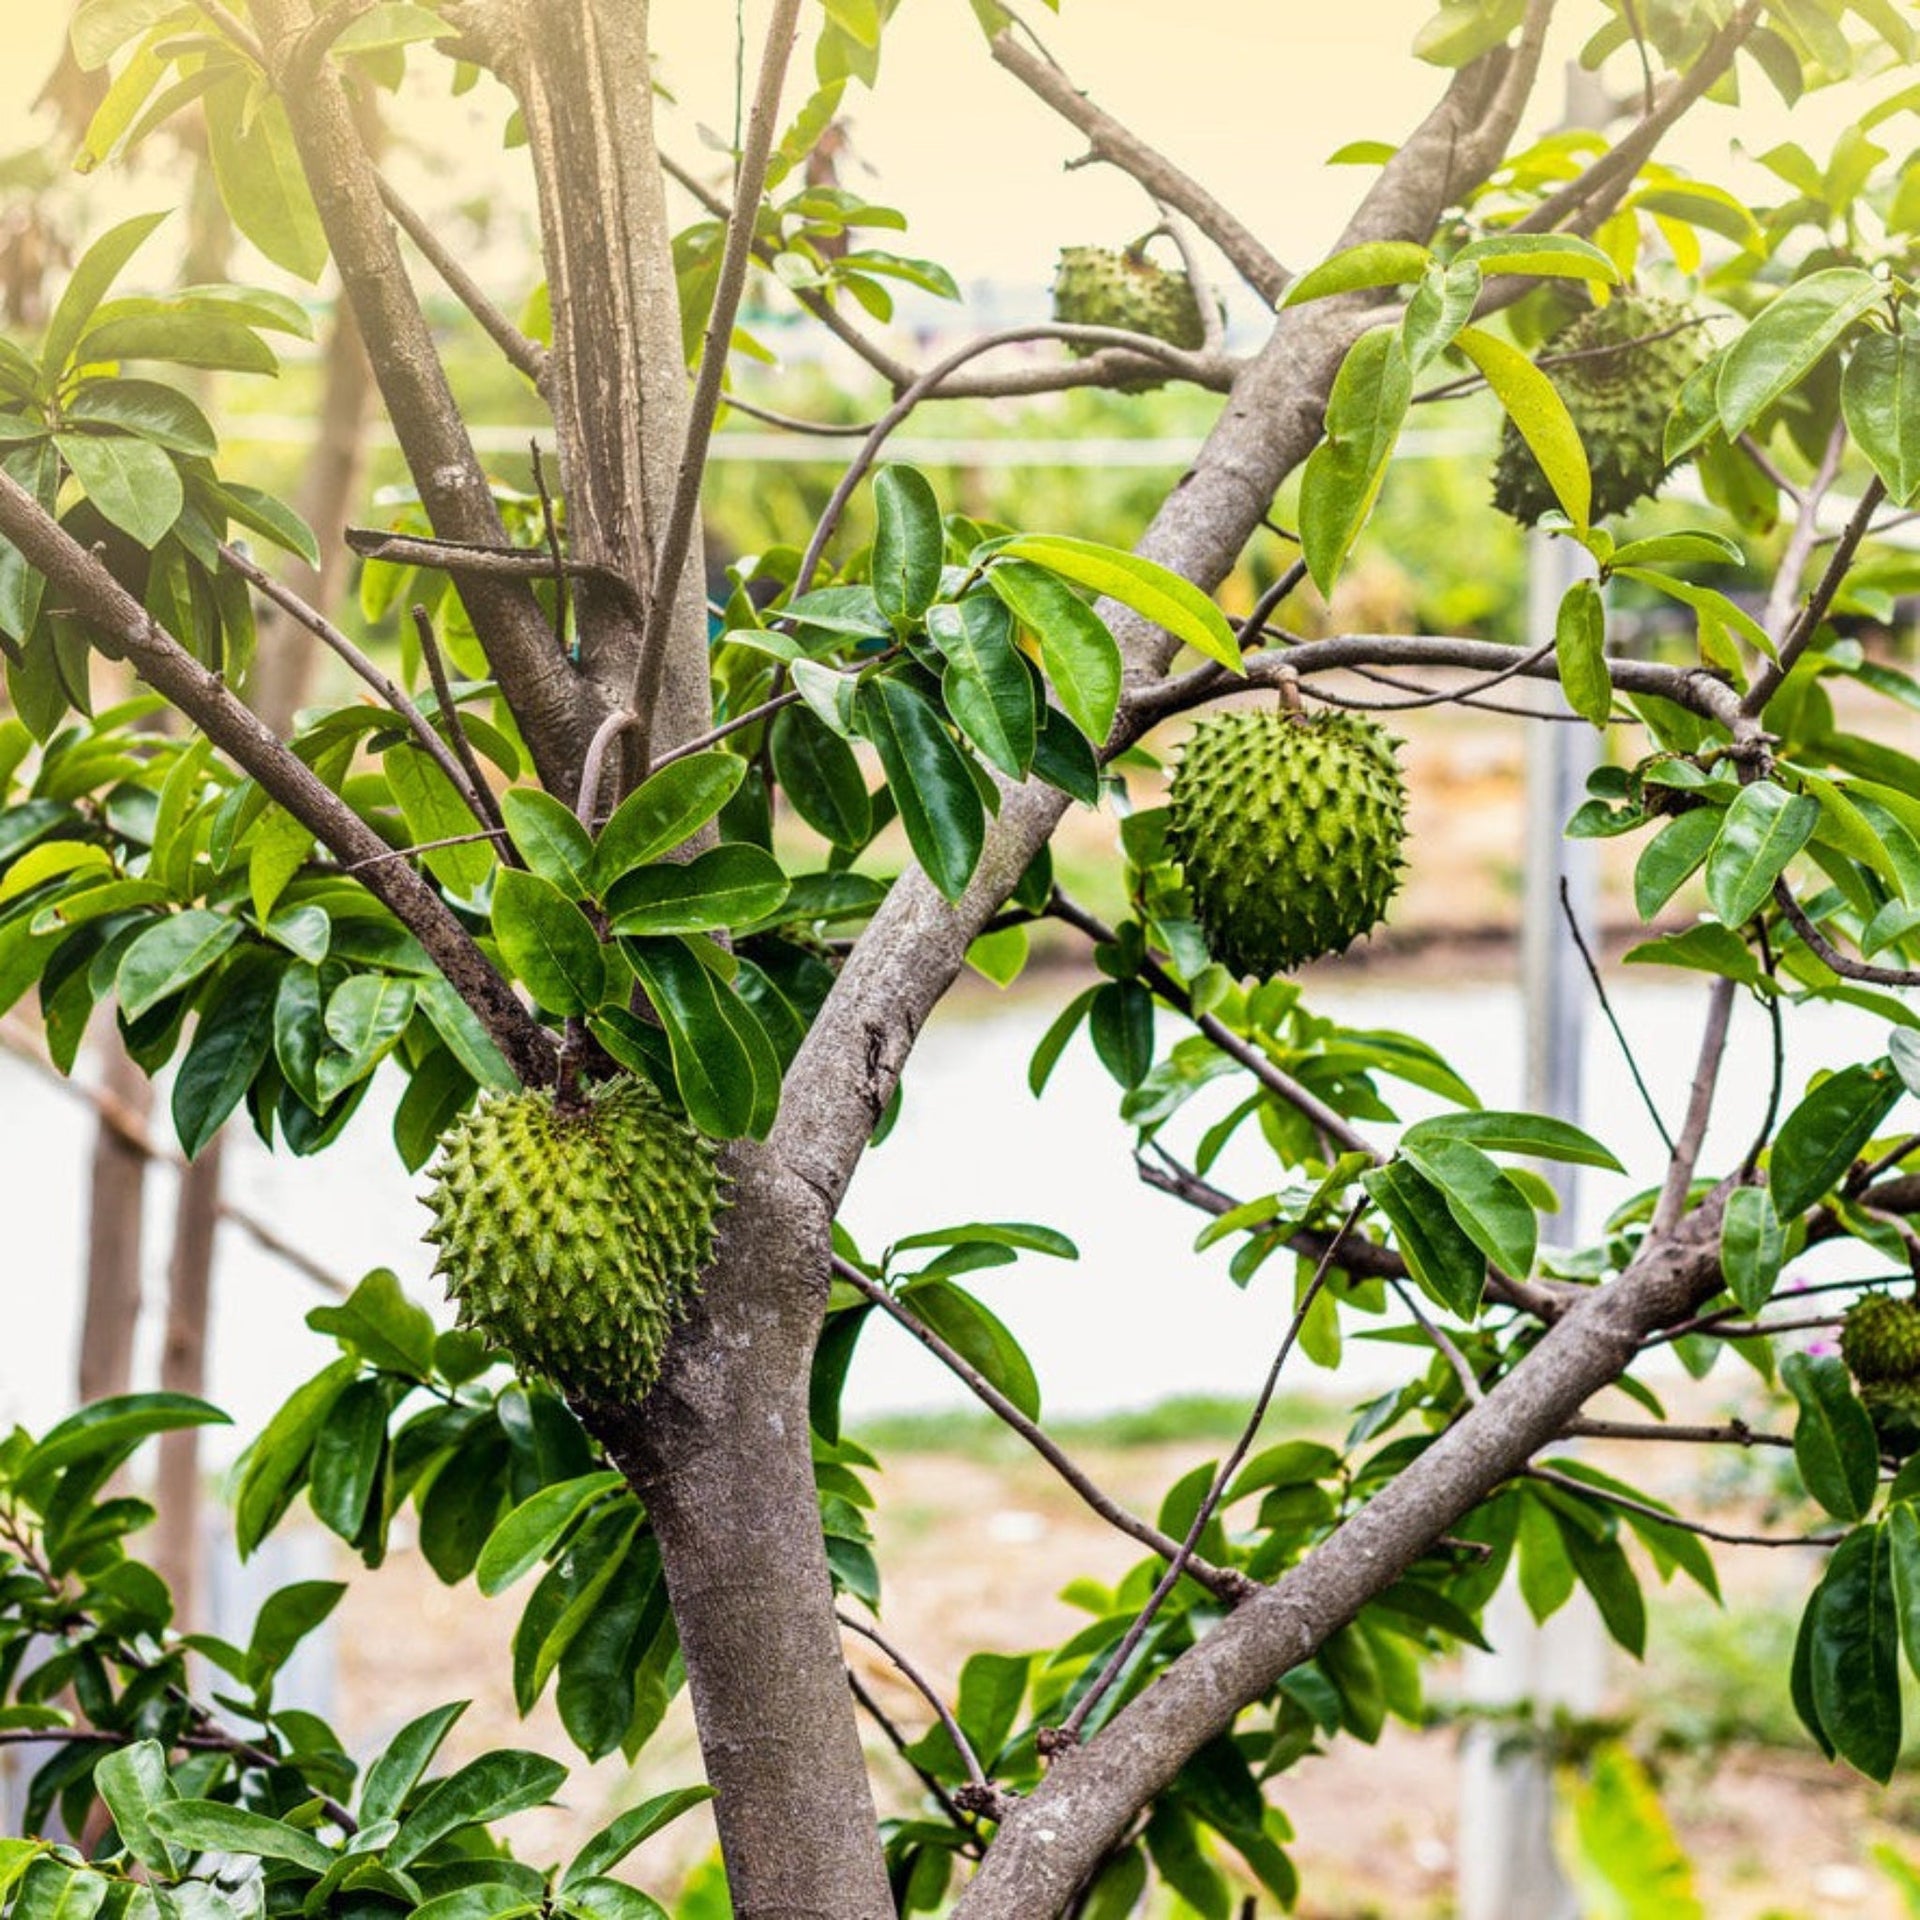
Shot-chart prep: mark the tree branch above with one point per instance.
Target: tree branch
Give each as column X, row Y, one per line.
column 1736, row 1433
column 1588, row 1491
column 976, row 1777
column 1823, row 949
column 482, row 794
column 125, row 627
column 1693, row 1128
column 1119, row 146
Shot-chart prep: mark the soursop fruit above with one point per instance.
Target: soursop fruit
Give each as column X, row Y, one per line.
column 575, row 1238
column 1620, row 387
column 1099, row 287
column 1880, row 1342
column 1289, row 829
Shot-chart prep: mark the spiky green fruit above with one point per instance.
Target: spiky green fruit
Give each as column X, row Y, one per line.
column 1620, row 384
column 1880, row 1342
column 1289, row 828
column 574, row 1238
column 1099, row 287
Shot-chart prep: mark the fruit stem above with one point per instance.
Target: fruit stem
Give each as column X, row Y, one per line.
column 1287, row 685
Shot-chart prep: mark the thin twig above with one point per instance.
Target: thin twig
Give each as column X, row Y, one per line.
column 1070, row 1729
column 1693, row 1129
column 1727, row 1325
column 1758, row 454
column 1766, row 683
column 527, row 356
column 389, row 690
column 961, row 1745
column 1569, row 1484
column 1778, row 615
column 1445, row 1344
column 1606, row 1007
column 903, row 1747
column 587, row 805
column 1213, row 326
column 1818, row 944
column 1223, row 1583
column 1777, row 1077
column 450, row 714
column 750, row 179
column 488, row 560
column 1735, row 1433
column 1443, row 697
column 419, row 847
column 562, row 594
column 792, row 423
column 1857, row 1183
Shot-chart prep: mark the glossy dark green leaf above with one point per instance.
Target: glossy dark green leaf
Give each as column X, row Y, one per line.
column 288, row 1616
column 727, row 886
column 466, row 1039
column 818, row 773
column 939, row 804
column 365, row 1017
column 1079, row 654
column 664, row 811
column 213, row 1826
column 133, row 1780
column 1762, row 831
column 486, row 1789
column 147, row 409
column 1062, row 758
column 978, row 1336
column 1880, row 395
column 275, row 1464
column 1752, row 1245
column 1053, row 1043
column 532, row 1529
column 549, row 837
column 987, row 686
column 1819, row 1139
column 616, row 1840
column 406, row 1758
column 232, row 1042
column 1538, row 1135
column 1834, row 1443
column 548, row 942
column 1854, row 1653
column 1603, row 1568
column 1702, row 949
column 347, row 1451
column 1546, row 1571
column 382, row 1325
column 170, row 955
column 1121, row 1021
column 1672, row 856
column 1489, row 1208
column 908, row 544
column 1156, row 593
column 113, row 1427
column 1792, row 334
column 712, row 1067
column 1438, row 1253
column 1580, row 652
column 133, row 483
column 1342, row 477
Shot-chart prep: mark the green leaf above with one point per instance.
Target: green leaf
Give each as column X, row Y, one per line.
column 1764, row 828
column 1536, row 1134
column 113, row 1427
column 133, row 1781
column 1672, row 856
column 94, row 272
column 408, row 1755
column 1561, row 256
column 987, row 686
column 616, row 1840
column 1854, row 1653
column 1155, row 593
column 939, row 804
column 664, row 811
column 1438, row 1253
column 365, row 1017
column 908, row 545
column 1820, row 1138
column 382, row 1325
column 1790, row 337
column 1703, row 949
column 261, row 180
column 232, row 1042
column 1752, row 1244
column 1374, row 263
column 712, row 1065
column 271, row 1466
column 727, row 886
column 1077, row 652
column 212, row 1826
column 1539, row 414
column 433, row 810
column 549, row 837
column 818, row 773
column 1580, row 653
column 146, row 409
column 1053, row 1043
column 347, row 1456
column 286, row 1618
column 1833, row 1440
column 169, row 956
column 133, row 483
column 548, row 942
column 1491, row 1211
column 489, row 1788
column 1880, row 396
column 534, row 1527
column 1341, row 480
column 977, row 1336
column 1903, row 1538
column 1021, row 1235
column 1121, row 1022
column 169, row 331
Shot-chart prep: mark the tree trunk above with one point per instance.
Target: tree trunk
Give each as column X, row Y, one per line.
column 115, row 1236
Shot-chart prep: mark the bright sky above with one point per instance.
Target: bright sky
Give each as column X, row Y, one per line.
column 1250, row 95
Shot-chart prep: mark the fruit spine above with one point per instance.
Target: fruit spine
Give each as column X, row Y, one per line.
column 1620, row 369
column 1289, row 828
column 575, row 1238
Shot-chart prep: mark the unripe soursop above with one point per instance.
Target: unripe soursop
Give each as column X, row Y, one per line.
column 1099, row 287
column 574, row 1239
column 1289, row 828
column 1880, row 1342
column 1620, row 385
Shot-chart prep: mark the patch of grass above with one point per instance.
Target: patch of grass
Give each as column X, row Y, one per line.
column 1204, row 1418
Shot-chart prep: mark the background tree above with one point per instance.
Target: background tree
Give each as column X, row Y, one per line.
column 542, row 867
